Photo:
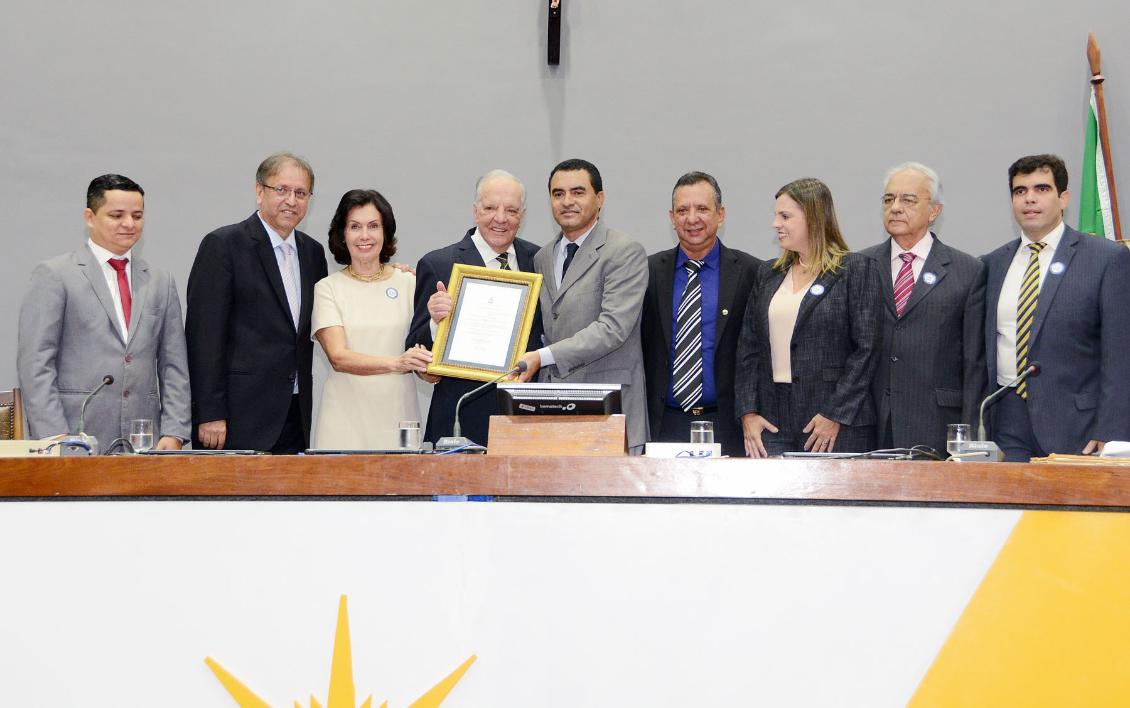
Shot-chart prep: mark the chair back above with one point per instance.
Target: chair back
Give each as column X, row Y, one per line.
column 11, row 415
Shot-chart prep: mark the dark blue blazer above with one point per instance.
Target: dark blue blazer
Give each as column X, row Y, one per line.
column 474, row 415
column 243, row 346
column 931, row 367
column 1080, row 337
column 834, row 347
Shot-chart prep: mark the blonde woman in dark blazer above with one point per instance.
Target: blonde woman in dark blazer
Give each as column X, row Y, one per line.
column 809, row 341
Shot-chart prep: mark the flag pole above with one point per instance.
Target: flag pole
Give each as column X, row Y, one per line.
column 1094, row 57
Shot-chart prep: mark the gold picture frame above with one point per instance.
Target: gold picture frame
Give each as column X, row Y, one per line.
column 491, row 317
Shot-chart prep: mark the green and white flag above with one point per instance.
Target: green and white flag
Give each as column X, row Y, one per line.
column 1095, row 216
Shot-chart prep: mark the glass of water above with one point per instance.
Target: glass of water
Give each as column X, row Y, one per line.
column 410, row 437
column 957, row 435
column 141, row 434
column 702, row 432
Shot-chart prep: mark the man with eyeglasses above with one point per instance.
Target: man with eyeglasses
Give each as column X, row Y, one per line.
column 498, row 211
column 250, row 295
column 932, row 361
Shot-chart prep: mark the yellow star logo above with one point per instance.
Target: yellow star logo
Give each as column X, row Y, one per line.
column 341, row 693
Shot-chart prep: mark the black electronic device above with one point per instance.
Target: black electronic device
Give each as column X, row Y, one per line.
column 559, row 399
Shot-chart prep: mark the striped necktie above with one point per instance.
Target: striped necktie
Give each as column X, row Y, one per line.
column 503, row 260
column 687, row 367
column 1026, row 313
column 904, row 283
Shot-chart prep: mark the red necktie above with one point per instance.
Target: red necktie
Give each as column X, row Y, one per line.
column 904, row 282
column 119, row 264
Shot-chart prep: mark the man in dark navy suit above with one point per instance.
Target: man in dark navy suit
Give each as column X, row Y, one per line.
column 931, row 370
column 1057, row 297
column 713, row 312
column 250, row 295
column 498, row 210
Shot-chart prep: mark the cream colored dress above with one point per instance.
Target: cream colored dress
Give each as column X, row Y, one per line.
column 364, row 412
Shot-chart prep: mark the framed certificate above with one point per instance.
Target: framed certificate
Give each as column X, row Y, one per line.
column 490, row 321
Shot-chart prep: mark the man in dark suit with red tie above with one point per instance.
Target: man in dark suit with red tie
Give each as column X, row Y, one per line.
column 931, row 369
column 498, row 211
column 250, row 294
column 692, row 315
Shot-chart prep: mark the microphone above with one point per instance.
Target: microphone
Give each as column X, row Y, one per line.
column 81, row 443
column 1031, row 370
column 456, row 439
column 987, row 449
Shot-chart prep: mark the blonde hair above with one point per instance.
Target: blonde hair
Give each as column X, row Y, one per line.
column 828, row 247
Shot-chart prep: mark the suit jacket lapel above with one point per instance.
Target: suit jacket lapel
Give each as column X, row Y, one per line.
column 92, row 271
column 769, row 288
column 466, row 252
column 139, row 291
column 821, row 286
column 584, row 258
column 271, row 268
column 306, row 273
column 1064, row 252
column 665, row 287
column 729, row 273
column 935, row 265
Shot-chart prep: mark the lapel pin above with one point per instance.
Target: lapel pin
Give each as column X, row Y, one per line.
column 392, row 293
column 1057, row 268
column 817, row 290
column 725, row 312
column 929, row 278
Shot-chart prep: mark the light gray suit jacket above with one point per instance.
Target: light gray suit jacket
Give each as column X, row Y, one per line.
column 592, row 322
column 69, row 339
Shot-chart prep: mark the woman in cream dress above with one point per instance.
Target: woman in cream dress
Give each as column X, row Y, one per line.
column 361, row 317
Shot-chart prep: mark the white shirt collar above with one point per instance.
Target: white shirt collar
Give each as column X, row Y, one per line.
column 104, row 255
column 580, row 239
column 276, row 239
column 1051, row 239
column 921, row 249
column 488, row 254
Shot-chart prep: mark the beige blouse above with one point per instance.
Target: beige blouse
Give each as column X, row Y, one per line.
column 783, row 310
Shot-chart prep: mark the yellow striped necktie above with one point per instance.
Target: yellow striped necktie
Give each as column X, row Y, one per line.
column 1026, row 313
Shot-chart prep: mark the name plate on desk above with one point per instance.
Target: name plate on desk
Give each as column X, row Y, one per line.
column 682, row 450
column 29, row 448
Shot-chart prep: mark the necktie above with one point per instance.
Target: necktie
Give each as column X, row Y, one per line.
column 1026, row 312
column 119, row 265
column 904, row 283
column 686, row 370
column 570, row 251
column 289, row 285
column 503, row 261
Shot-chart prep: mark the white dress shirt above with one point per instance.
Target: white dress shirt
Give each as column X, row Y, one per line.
column 103, row 257
column 277, row 242
column 1010, row 293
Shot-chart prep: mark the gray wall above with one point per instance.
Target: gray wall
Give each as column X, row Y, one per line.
column 418, row 98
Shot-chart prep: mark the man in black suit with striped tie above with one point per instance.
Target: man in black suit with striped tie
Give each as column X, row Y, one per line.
column 931, row 368
column 692, row 315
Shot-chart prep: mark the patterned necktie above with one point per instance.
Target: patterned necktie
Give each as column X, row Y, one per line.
column 1026, row 313
column 570, row 251
column 904, row 283
column 289, row 285
column 686, row 370
column 503, row 260
column 119, row 265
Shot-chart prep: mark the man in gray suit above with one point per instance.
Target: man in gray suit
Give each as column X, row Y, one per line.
column 931, row 368
column 102, row 311
column 591, row 297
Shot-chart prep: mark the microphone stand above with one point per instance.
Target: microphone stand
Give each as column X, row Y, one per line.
column 456, row 440
column 987, row 448
column 81, row 443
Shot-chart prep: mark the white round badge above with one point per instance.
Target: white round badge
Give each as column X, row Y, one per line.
column 392, row 293
column 817, row 290
column 929, row 278
column 1057, row 268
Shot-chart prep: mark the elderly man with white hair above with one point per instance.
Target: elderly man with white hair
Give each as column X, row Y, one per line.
column 932, row 366
column 498, row 211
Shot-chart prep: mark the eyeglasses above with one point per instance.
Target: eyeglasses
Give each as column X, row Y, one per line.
column 283, row 192
column 907, row 200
